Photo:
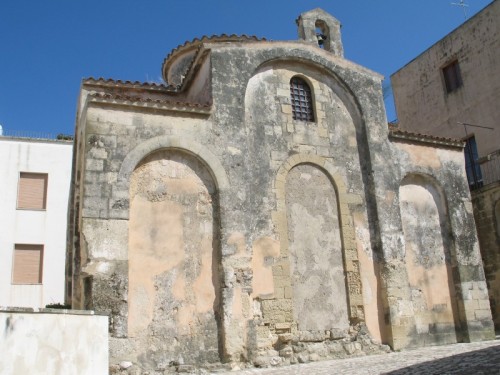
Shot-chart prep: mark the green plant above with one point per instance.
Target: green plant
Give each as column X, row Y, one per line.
column 58, row 306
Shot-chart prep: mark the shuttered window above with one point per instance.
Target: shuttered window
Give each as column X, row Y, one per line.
column 32, row 193
column 28, row 264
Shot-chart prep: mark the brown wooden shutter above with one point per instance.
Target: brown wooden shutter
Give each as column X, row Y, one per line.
column 32, row 192
column 28, row 264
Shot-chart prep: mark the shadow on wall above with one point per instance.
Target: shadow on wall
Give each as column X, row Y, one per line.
column 484, row 361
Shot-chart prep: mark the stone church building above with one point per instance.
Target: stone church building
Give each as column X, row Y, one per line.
column 257, row 208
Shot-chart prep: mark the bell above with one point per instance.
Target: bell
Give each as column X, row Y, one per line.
column 321, row 38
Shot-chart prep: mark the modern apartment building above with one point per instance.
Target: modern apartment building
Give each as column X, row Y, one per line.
column 35, row 178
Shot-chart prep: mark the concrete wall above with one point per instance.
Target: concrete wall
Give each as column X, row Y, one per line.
column 42, row 227
column 424, row 106
column 53, row 342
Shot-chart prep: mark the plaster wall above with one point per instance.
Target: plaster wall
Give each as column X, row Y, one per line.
column 174, row 287
column 42, row 227
column 428, row 263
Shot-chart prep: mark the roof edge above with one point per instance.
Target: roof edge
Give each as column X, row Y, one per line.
column 398, row 134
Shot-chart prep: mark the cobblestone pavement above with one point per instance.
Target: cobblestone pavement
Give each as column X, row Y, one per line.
column 471, row 358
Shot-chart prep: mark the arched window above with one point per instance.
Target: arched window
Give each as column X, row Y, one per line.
column 300, row 94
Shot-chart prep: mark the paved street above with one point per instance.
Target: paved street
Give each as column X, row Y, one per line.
column 476, row 358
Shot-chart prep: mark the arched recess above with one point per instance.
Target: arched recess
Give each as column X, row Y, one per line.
column 170, row 142
column 320, row 71
column 429, row 259
column 348, row 263
column 260, row 106
column 174, row 294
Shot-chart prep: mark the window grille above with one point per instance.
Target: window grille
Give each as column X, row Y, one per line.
column 300, row 95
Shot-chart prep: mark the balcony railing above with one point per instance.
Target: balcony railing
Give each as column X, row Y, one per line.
column 35, row 135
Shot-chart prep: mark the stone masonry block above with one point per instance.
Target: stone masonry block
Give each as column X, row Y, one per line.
column 286, row 108
column 94, row 165
column 307, row 149
column 91, row 213
column 355, row 299
column 283, row 92
column 353, row 199
column 278, row 131
column 94, row 203
column 483, row 314
column 471, row 305
column 484, row 304
column 92, row 190
column 279, row 155
column 480, row 294
column 279, row 293
column 98, row 153
column 323, row 151
column 281, row 281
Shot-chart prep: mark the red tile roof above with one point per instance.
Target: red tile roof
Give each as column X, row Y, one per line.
column 136, row 84
column 196, row 44
column 136, row 100
column 396, row 133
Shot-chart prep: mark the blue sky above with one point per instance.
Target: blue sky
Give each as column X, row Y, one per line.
column 47, row 47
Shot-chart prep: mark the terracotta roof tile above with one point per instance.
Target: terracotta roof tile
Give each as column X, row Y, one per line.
column 196, row 43
column 397, row 133
column 118, row 82
column 215, row 38
column 135, row 99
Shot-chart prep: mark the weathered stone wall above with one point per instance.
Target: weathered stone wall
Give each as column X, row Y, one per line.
column 315, row 246
column 431, row 169
column 486, row 203
column 295, row 145
column 235, row 232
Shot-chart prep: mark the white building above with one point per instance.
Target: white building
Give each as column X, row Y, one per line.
column 35, row 177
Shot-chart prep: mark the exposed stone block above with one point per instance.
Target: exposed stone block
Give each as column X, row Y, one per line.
column 94, row 165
